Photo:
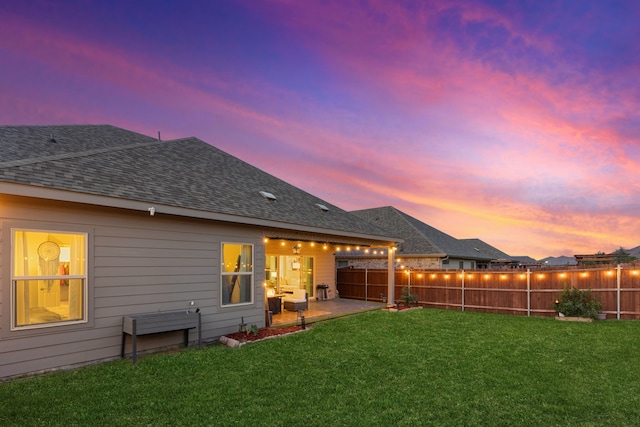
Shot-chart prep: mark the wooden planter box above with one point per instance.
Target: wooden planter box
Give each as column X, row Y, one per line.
column 155, row 323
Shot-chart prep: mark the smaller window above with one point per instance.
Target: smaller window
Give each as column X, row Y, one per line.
column 237, row 274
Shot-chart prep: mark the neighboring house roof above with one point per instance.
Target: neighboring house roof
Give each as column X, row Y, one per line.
column 486, row 250
column 634, row 252
column 526, row 260
column 115, row 167
column 601, row 258
column 419, row 238
column 558, row 261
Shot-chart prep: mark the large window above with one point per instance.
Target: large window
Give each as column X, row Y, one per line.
column 49, row 278
column 285, row 273
column 237, row 274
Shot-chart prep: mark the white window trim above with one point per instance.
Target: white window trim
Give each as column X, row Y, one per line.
column 223, row 274
column 14, row 279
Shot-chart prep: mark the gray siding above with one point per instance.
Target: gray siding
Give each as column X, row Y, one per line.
column 136, row 264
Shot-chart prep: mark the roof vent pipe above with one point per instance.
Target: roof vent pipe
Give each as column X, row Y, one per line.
column 52, row 138
column 159, row 136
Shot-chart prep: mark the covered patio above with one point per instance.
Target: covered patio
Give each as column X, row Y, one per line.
column 325, row 309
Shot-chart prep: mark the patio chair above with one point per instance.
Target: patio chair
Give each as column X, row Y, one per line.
column 296, row 301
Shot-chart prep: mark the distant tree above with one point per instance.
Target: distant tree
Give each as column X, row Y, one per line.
column 621, row 256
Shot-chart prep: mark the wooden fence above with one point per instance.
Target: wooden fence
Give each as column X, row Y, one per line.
column 525, row 292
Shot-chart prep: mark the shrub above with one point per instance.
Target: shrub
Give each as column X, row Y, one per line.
column 578, row 303
column 408, row 297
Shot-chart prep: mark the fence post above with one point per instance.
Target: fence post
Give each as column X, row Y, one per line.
column 528, row 292
column 366, row 283
column 462, row 289
column 619, row 270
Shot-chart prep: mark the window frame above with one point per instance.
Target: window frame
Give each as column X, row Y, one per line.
column 224, row 274
column 15, row 279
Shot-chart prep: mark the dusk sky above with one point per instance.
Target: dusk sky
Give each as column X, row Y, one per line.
column 516, row 122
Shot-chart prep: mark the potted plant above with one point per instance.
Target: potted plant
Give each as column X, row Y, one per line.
column 574, row 302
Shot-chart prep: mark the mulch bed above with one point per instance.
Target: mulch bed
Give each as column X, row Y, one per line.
column 263, row 333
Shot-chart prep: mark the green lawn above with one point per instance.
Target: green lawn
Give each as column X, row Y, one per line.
column 421, row 367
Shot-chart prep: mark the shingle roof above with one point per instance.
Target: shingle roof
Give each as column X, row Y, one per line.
column 188, row 173
column 486, row 250
column 419, row 238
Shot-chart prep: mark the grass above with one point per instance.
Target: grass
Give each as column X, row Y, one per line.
column 421, row 367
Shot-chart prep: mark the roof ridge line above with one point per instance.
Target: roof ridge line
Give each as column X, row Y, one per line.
column 30, row 161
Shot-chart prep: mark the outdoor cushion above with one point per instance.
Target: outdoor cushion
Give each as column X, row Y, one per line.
column 296, row 301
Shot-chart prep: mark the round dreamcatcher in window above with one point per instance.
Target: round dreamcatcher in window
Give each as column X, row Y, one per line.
column 49, row 250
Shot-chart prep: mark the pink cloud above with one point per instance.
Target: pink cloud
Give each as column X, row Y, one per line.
column 156, row 81
column 480, row 152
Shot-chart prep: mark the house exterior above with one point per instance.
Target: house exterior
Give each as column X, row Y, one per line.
column 98, row 222
column 524, row 261
column 423, row 247
column 597, row 258
column 494, row 257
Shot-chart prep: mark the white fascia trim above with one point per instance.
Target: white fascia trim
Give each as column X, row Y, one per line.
column 113, row 202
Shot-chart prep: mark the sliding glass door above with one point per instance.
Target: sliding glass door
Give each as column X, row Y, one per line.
column 285, row 273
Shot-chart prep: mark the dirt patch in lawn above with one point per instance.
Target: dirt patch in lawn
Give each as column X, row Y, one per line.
column 263, row 333
column 398, row 307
